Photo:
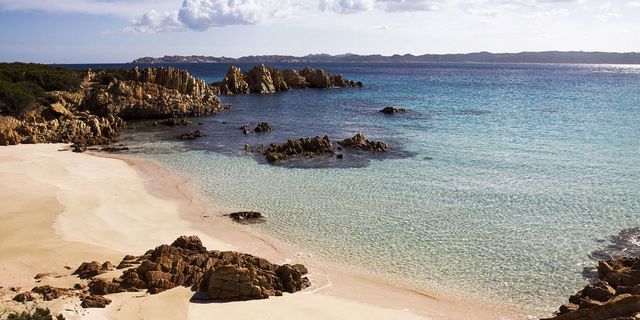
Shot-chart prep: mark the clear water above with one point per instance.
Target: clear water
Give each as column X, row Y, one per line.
column 504, row 178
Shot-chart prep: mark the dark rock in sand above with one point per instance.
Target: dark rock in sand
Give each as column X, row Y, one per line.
column 49, row 293
column 246, row 216
column 89, row 270
column 24, row 297
column 191, row 135
column 262, row 127
column 360, row 142
column 92, row 301
column 392, row 110
column 225, row 276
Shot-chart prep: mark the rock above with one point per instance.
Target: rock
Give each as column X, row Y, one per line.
column 173, row 122
column 49, row 293
column 303, row 147
column 42, row 275
column 92, row 301
column 89, row 270
column 392, row 110
column 246, row 216
column 191, row 135
column 262, row 79
column 624, row 305
column 219, row 275
column 245, row 129
column 360, row 142
column 613, row 296
column 262, row 127
column 24, row 297
column 153, row 93
column 114, row 149
column 191, row 243
column 59, row 110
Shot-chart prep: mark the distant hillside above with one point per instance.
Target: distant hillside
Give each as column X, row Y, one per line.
column 478, row 57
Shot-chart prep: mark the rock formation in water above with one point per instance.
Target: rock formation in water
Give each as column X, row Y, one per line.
column 303, row 147
column 262, row 127
column 247, row 216
column 262, row 79
column 191, row 135
column 361, row 143
column 392, row 110
column 93, row 112
column 615, row 296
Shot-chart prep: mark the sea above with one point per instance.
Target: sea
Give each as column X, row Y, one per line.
column 501, row 182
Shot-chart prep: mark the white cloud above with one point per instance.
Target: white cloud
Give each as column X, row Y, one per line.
column 633, row 4
column 201, row 15
column 356, row 6
column 154, row 21
column 121, row 8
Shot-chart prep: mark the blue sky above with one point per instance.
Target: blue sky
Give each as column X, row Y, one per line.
column 92, row 31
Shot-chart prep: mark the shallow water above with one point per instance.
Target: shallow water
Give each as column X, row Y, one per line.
column 506, row 177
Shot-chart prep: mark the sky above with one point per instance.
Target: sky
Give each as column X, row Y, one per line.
column 112, row 31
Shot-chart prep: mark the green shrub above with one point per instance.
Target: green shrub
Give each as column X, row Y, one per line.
column 37, row 314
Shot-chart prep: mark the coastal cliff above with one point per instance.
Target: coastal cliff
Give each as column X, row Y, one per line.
column 92, row 106
column 262, row 79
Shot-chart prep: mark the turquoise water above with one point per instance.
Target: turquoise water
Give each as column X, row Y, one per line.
column 502, row 180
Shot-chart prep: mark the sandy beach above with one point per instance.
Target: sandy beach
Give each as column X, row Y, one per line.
column 61, row 208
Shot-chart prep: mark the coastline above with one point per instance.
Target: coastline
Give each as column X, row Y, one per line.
column 146, row 206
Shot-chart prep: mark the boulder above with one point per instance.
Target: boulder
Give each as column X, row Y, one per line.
column 262, row 127
column 392, row 110
column 360, row 142
column 260, row 80
column 24, row 297
column 191, row 135
column 49, row 293
column 92, row 301
column 246, row 216
column 303, row 147
column 613, row 296
column 219, row 275
column 91, row 269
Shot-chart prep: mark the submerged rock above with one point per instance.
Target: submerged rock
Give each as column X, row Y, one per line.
column 303, row 147
column 262, row 127
column 246, row 216
column 360, row 142
column 392, row 110
column 191, row 135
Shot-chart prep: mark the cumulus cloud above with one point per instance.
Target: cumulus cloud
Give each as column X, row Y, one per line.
column 355, row 6
column 201, row 15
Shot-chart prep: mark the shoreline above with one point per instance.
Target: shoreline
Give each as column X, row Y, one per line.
column 157, row 205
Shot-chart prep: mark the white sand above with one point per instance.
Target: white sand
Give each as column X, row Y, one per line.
column 61, row 208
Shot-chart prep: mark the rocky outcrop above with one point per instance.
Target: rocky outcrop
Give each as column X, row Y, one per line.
column 82, row 128
column 303, row 147
column 615, row 296
column 191, row 135
column 246, row 216
column 153, row 93
column 92, row 301
column 91, row 269
column 262, row 127
column 392, row 110
column 361, row 143
column 93, row 115
column 223, row 276
column 262, row 79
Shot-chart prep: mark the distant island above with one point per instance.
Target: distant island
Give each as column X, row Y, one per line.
column 477, row 57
